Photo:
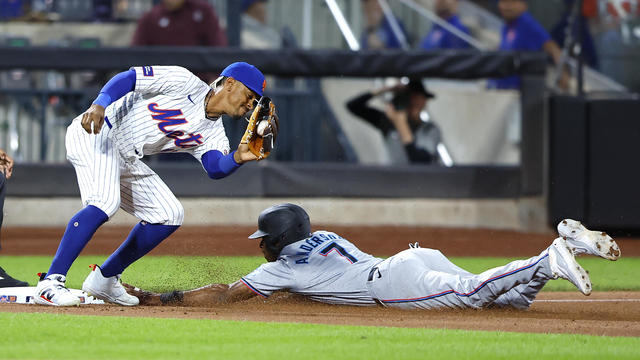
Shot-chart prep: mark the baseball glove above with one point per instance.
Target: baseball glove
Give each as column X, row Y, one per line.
column 262, row 129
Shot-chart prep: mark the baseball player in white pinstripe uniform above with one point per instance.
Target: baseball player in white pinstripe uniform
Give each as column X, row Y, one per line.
column 144, row 111
column 328, row 268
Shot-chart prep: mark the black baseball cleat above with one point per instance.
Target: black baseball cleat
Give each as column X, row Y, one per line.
column 8, row 281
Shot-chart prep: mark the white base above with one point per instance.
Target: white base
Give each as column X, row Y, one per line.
column 25, row 295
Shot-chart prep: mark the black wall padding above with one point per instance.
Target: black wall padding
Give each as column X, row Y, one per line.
column 414, row 63
column 273, row 179
column 594, row 176
column 613, row 171
column 568, row 159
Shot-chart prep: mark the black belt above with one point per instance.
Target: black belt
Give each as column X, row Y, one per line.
column 372, row 273
column 370, row 278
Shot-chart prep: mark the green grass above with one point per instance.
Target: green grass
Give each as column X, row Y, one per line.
column 27, row 336
column 170, row 272
column 58, row 336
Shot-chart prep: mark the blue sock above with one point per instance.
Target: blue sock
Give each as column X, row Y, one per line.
column 142, row 239
column 79, row 231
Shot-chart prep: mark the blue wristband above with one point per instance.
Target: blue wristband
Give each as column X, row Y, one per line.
column 228, row 163
column 103, row 100
column 217, row 165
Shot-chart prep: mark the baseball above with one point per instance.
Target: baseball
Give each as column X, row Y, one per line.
column 262, row 127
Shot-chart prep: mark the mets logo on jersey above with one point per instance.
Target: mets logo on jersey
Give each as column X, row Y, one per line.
column 174, row 117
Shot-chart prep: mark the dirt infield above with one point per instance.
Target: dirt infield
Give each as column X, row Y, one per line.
column 603, row 313
column 232, row 240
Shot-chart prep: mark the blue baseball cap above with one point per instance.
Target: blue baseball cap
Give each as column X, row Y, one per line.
column 247, row 74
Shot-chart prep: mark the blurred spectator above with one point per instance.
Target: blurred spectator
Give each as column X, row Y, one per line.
column 522, row 32
column 180, row 22
column 559, row 31
column 6, row 170
column 255, row 32
column 11, row 9
column 441, row 38
column 102, row 10
column 378, row 33
column 401, row 121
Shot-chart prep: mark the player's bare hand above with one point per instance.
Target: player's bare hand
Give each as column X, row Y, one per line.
column 93, row 116
column 6, row 164
column 243, row 154
column 145, row 297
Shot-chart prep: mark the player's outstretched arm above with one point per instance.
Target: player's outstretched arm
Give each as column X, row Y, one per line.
column 213, row 294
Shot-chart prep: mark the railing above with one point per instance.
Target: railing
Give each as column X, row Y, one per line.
column 33, row 120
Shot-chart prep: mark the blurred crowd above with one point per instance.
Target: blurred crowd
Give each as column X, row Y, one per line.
column 196, row 23
column 402, row 122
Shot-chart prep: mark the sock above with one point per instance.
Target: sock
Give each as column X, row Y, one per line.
column 79, row 231
column 142, row 239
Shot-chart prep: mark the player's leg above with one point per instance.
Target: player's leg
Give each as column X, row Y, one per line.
column 519, row 297
column 412, row 283
column 95, row 160
column 147, row 197
column 581, row 241
column 522, row 296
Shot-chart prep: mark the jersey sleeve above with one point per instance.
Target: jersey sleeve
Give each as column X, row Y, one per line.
column 270, row 277
column 167, row 80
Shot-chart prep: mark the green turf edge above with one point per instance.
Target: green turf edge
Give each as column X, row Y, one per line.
column 57, row 336
column 161, row 273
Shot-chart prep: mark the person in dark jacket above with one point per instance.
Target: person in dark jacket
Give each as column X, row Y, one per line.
column 401, row 121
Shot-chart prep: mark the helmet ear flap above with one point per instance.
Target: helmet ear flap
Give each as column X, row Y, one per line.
column 273, row 245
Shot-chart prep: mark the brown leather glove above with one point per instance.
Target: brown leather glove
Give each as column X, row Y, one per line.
column 262, row 129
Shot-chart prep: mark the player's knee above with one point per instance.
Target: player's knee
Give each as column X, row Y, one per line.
column 176, row 215
column 109, row 207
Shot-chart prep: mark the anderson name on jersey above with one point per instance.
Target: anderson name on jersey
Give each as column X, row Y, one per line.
column 164, row 113
column 325, row 267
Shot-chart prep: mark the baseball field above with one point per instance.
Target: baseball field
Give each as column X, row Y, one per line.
column 562, row 324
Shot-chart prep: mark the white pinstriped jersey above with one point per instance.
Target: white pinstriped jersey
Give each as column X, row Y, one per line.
column 324, row 267
column 165, row 113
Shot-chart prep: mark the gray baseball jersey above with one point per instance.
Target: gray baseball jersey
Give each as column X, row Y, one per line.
column 325, row 267
column 165, row 113
column 328, row 268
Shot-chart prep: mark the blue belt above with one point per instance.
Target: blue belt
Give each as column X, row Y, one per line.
column 106, row 119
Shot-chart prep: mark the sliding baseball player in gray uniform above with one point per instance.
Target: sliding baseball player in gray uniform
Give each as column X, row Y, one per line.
column 328, row 268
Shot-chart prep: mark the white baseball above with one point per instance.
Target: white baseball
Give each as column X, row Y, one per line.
column 262, row 127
